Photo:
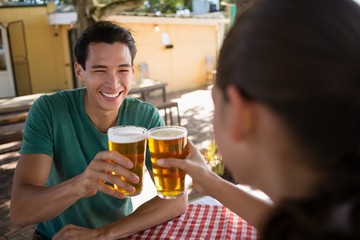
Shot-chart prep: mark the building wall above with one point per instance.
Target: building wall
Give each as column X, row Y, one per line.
column 47, row 48
column 183, row 66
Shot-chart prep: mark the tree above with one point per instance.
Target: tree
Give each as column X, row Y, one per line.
column 90, row 11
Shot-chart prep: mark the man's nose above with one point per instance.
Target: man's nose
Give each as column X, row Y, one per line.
column 114, row 79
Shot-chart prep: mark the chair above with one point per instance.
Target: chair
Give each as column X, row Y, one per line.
column 210, row 69
column 167, row 107
column 144, row 70
column 11, row 126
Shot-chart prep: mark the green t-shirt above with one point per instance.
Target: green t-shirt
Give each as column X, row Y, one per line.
column 57, row 125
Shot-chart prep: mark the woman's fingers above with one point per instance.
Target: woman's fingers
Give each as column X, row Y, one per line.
column 191, row 164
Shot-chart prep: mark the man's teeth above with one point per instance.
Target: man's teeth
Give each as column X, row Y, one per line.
column 110, row 95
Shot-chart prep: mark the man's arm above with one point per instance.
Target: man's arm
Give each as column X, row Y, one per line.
column 33, row 202
column 149, row 214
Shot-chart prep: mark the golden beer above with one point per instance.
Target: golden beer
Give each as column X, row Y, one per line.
column 168, row 142
column 129, row 141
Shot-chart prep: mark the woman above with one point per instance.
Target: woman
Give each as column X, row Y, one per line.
column 287, row 119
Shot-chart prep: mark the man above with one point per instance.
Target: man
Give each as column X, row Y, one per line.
column 58, row 182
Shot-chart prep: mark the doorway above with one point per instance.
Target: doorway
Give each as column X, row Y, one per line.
column 19, row 58
column 7, row 87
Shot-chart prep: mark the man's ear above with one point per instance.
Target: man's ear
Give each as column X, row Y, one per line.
column 78, row 71
column 242, row 111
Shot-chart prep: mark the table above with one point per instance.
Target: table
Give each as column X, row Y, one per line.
column 13, row 113
column 18, row 104
column 147, row 85
column 201, row 221
column 23, row 103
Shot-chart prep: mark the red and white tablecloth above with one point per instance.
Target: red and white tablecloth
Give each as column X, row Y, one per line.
column 201, row 221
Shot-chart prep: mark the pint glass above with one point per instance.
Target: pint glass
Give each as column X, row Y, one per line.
column 168, row 142
column 130, row 141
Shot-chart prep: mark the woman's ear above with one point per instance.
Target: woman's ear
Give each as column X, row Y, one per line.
column 242, row 111
column 78, row 71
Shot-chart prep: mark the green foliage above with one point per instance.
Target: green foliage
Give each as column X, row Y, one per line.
column 213, row 158
column 164, row 6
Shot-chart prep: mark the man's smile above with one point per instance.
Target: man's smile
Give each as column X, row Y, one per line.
column 111, row 95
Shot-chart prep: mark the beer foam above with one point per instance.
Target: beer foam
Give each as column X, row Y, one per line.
column 127, row 134
column 167, row 133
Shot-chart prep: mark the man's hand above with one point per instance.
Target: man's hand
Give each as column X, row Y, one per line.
column 99, row 172
column 69, row 232
column 30, row 195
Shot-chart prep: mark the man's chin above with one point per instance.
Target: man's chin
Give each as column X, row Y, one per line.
column 113, row 105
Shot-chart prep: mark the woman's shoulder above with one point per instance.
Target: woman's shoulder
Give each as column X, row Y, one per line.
column 328, row 215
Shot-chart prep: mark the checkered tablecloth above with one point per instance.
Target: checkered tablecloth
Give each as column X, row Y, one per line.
column 202, row 221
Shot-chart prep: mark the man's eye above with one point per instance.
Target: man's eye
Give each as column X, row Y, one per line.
column 124, row 70
column 99, row 71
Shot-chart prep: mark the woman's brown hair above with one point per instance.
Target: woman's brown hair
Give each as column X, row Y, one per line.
column 301, row 59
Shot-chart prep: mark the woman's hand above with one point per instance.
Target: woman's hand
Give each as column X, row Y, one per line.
column 100, row 171
column 194, row 165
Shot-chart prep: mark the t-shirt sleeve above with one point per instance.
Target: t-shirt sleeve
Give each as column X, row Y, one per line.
column 38, row 137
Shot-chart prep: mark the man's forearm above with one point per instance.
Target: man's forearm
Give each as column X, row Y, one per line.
column 33, row 204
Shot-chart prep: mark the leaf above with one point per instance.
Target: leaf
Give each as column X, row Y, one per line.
column 104, row 8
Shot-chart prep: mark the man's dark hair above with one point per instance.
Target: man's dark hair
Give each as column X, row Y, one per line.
column 103, row 32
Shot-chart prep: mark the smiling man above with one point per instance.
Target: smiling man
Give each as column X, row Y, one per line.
column 58, row 182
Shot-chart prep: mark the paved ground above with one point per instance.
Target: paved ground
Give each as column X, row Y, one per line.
column 196, row 110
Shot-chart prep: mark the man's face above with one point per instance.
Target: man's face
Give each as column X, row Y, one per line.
column 107, row 77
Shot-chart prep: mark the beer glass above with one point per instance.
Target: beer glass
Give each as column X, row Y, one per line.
column 130, row 141
column 168, row 142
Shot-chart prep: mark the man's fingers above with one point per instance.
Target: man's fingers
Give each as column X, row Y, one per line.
column 116, row 169
column 113, row 179
column 120, row 159
column 61, row 234
column 115, row 157
column 107, row 169
column 109, row 190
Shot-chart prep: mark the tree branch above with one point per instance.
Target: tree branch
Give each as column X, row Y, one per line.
column 115, row 7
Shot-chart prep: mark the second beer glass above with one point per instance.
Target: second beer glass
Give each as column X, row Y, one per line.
column 168, row 142
column 129, row 141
